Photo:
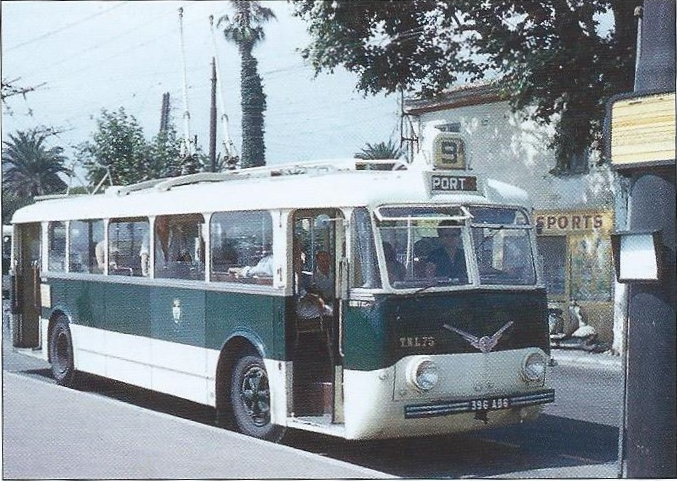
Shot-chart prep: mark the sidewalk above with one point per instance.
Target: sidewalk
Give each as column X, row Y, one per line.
column 574, row 357
column 50, row 432
column 586, row 471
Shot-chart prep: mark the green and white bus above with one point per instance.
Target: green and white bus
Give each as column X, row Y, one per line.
column 310, row 296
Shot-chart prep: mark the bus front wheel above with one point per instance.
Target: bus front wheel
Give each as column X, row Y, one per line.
column 250, row 400
column 61, row 353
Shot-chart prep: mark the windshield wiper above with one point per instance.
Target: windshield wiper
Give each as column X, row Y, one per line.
column 439, row 282
column 494, row 231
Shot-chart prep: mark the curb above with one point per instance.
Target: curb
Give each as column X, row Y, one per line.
column 586, row 471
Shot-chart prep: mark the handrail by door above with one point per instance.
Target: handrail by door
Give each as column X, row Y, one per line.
column 37, row 304
column 14, row 288
column 343, row 279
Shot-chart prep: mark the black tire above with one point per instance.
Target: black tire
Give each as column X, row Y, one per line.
column 250, row 400
column 61, row 354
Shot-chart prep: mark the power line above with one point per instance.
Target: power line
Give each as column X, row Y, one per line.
column 65, row 27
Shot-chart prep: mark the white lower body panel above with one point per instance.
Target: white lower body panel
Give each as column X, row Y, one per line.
column 375, row 401
column 180, row 370
column 171, row 368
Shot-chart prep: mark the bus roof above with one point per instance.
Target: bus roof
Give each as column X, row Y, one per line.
column 343, row 183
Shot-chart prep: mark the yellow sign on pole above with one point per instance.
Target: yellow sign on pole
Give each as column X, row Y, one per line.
column 643, row 130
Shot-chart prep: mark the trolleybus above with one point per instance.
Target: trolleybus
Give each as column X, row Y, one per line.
column 339, row 298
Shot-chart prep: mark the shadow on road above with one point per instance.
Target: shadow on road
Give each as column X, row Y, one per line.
column 549, row 442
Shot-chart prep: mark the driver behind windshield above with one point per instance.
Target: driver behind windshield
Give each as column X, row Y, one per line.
column 448, row 260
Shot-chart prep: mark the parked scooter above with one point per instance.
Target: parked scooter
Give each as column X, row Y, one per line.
column 574, row 332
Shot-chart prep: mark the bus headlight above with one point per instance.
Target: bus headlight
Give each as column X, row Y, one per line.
column 534, row 367
column 422, row 373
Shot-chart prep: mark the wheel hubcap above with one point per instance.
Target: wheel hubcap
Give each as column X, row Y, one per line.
column 61, row 352
column 255, row 395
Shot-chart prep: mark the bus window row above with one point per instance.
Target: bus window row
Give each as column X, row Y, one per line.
column 241, row 247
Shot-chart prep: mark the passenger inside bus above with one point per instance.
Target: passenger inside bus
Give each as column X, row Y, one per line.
column 263, row 268
column 179, row 248
column 100, row 254
column 323, row 275
column 448, row 260
column 311, row 303
column 396, row 270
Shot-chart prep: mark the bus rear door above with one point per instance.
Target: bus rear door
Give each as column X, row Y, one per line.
column 25, row 293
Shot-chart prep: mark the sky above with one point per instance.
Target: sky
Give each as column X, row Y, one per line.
column 85, row 56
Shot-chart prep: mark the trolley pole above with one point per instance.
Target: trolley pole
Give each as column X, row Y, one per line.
column 641, row 140
column 212, row 120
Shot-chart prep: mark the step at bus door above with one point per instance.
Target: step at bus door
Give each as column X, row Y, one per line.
column 26, row 286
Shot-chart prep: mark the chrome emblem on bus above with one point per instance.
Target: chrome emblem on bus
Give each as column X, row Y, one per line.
column 484, row 343
column 176, row 311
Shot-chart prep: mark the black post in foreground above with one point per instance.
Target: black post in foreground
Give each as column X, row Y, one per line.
column 642, row 147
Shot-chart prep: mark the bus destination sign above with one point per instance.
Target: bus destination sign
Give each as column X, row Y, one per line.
column 442, row 183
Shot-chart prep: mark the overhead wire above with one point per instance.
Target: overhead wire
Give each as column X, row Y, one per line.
column 65, row 27
column 271, row 76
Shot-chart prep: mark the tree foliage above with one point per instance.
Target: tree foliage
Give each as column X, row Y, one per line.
column 119, row 147
column 31, row 168
column 245, row 29
column 11, row 203
column 379, row 151
column 553, row 56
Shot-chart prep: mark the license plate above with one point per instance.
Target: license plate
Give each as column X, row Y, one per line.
column 491, row 404
column 444, row 408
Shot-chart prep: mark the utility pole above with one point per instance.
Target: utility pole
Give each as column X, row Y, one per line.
column 212, row 119
column 164, row 113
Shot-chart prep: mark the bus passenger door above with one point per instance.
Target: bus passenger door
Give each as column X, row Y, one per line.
column 25, row 293
column 319, row 240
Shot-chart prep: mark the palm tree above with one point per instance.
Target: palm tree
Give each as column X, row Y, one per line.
column 380, row 151
column 245, row 29
column 30, row 168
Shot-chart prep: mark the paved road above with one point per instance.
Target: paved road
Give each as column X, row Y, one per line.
column 588, row 393
column 577, row 437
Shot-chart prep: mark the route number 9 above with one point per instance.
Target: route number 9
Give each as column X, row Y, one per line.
column 449, row 152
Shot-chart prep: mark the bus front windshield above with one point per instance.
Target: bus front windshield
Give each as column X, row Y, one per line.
column 429, row 246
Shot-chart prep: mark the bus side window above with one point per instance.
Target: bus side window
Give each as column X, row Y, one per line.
column 241, row 247
column 83, row 239
column 179, row 247
column 57, row 246
column 127, row 239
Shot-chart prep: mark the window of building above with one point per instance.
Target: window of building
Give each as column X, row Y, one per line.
column 57, row 246
column 127, row 241
column 242, row 247
column 86, row 246
column 179, row 247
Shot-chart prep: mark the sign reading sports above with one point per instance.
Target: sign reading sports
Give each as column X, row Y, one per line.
column 557, row 221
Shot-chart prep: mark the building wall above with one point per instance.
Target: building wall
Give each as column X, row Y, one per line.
column 575, row 211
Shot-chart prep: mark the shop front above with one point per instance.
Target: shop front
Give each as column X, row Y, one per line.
column 575, row 248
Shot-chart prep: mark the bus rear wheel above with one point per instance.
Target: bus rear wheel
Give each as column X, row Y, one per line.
column 61, row 354
column 250, row 400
